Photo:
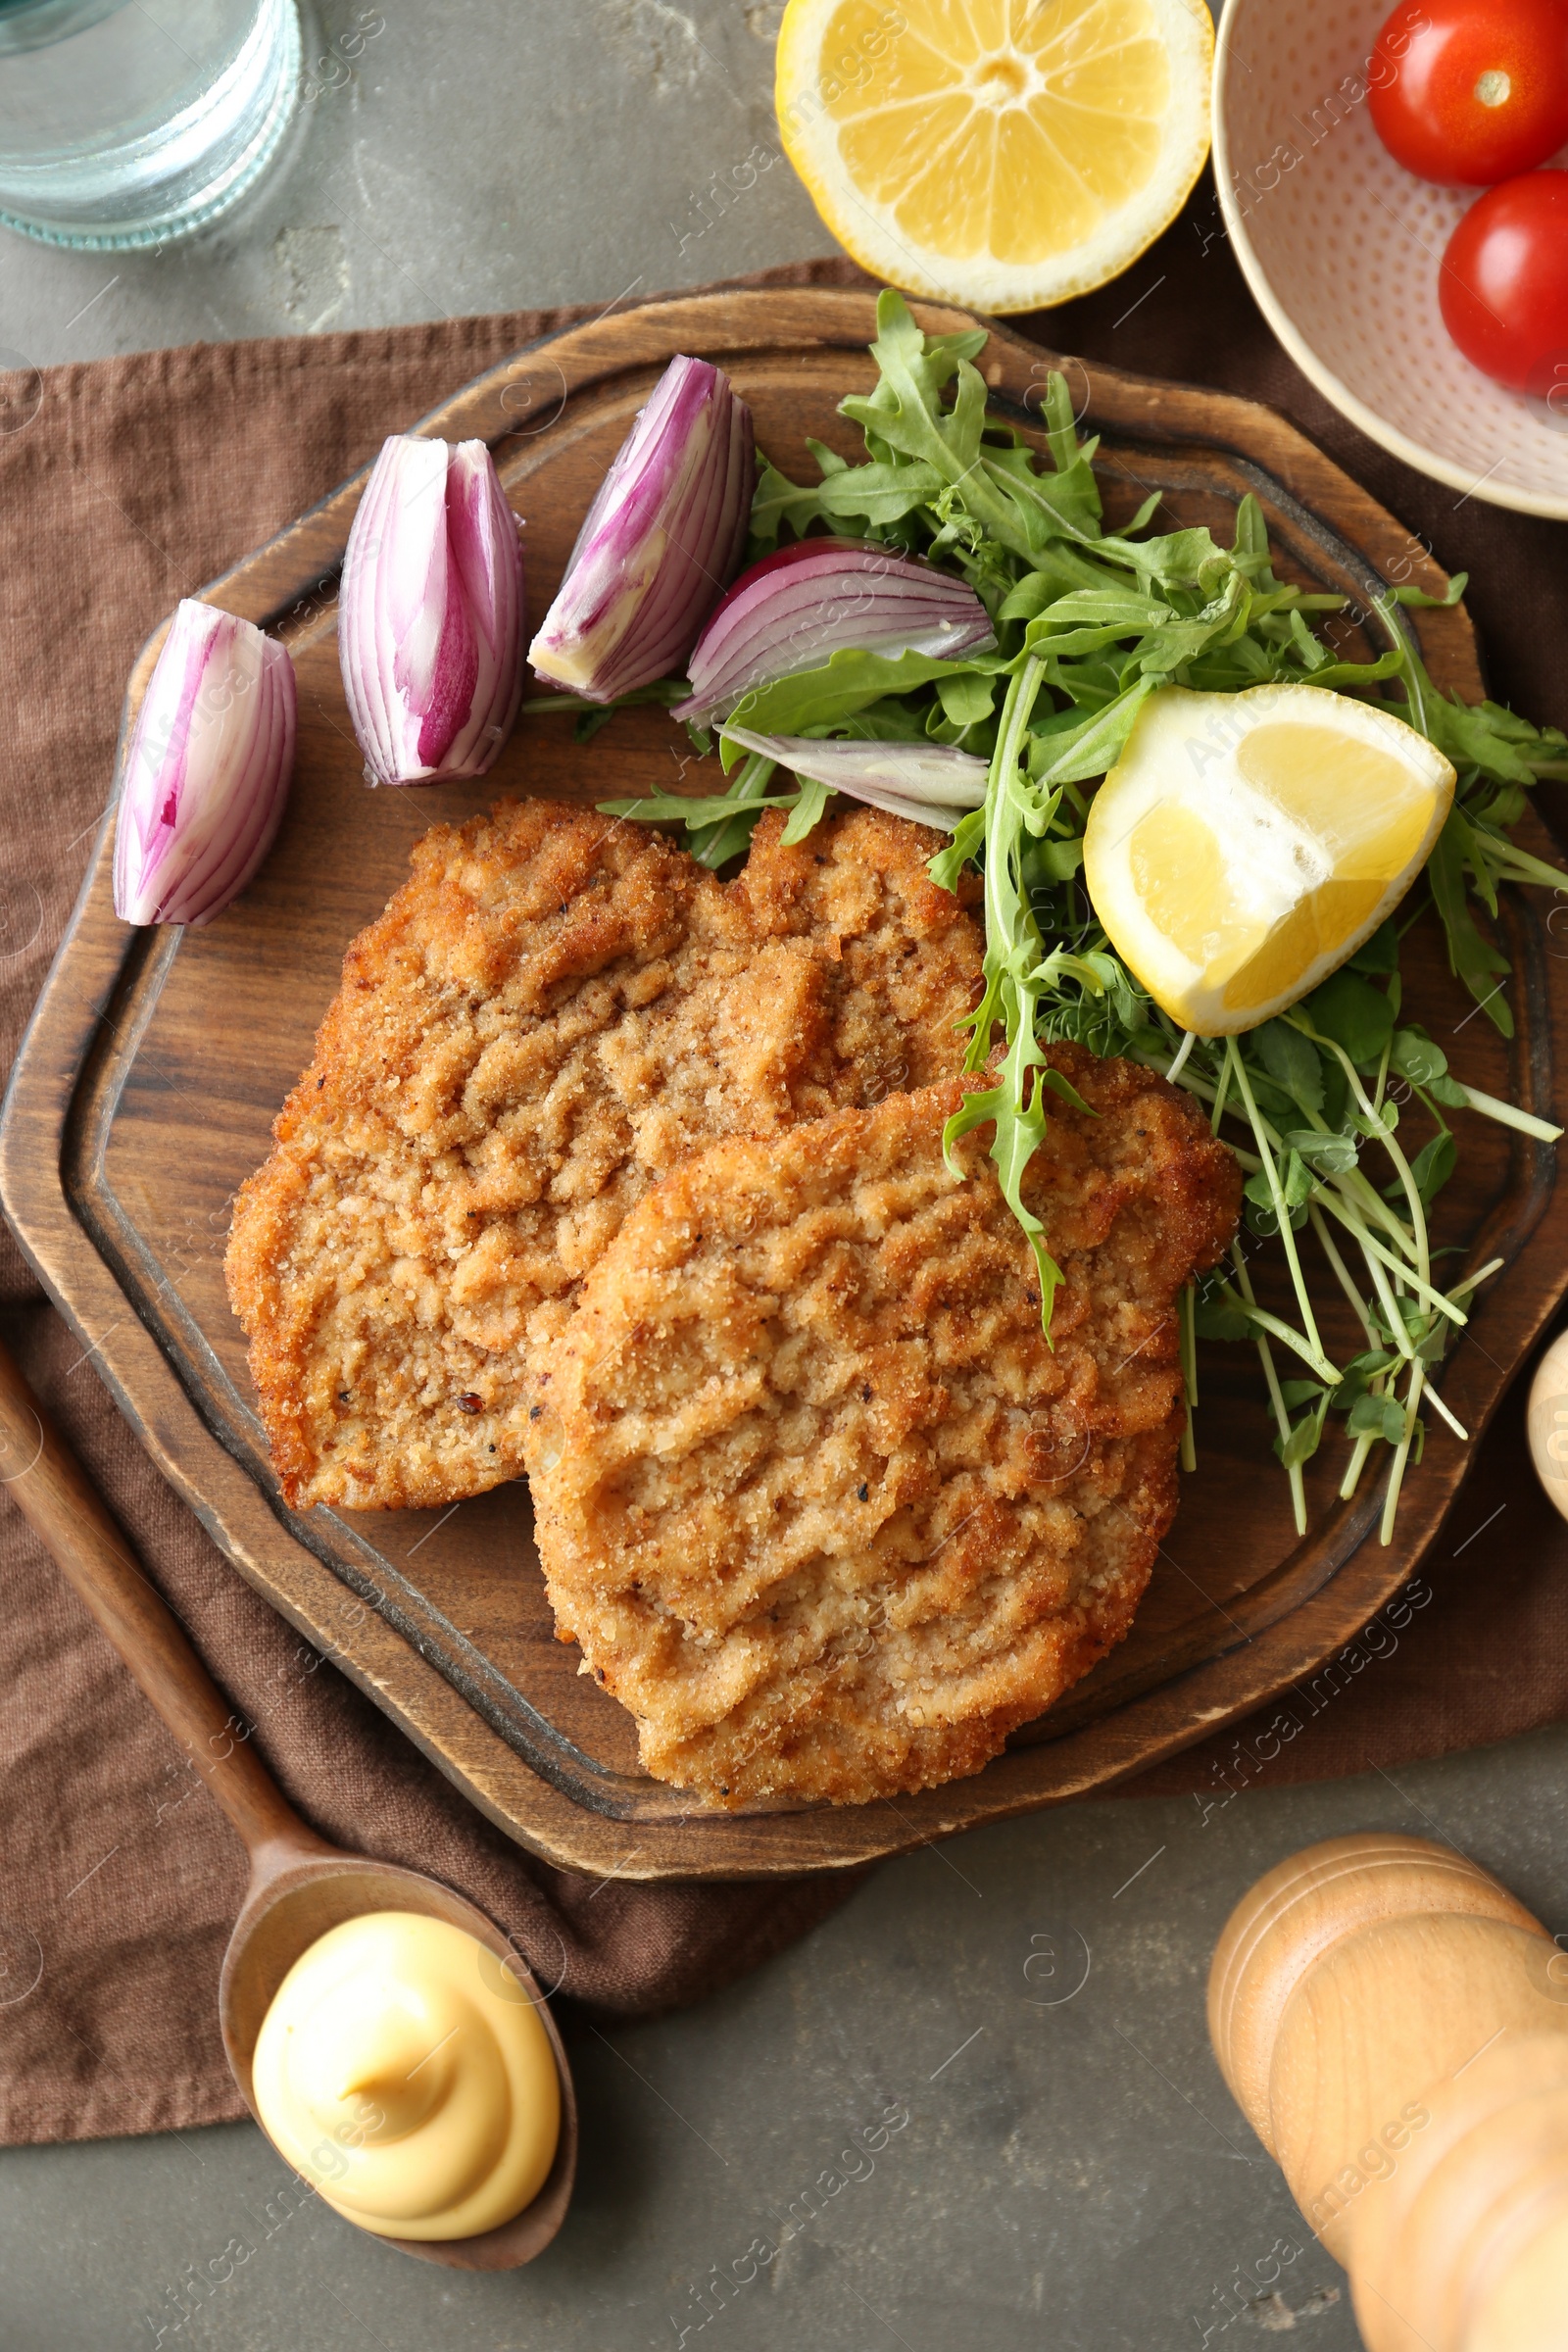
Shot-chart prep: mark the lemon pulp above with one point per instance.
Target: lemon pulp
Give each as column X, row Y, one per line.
column 1244, row 845
column 1003, row 152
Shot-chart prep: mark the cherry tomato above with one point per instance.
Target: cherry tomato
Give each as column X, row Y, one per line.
column 1504, row 285
column 1471, row 91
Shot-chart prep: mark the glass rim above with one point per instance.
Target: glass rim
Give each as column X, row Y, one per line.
column 39, row 23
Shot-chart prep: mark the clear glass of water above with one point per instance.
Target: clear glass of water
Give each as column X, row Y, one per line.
column 126, row 123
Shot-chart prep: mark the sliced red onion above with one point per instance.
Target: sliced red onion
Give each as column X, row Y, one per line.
column 208, row 771
column 929, row 783
column 429, row 620
column 797, row 608
column 660, row 543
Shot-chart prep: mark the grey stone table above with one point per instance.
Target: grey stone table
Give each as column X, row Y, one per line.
column 470, row 155
column 975, row 2112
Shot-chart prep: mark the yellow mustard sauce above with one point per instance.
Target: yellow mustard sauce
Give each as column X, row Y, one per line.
column 406, row 2073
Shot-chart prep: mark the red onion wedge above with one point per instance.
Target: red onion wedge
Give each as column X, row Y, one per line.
column 797, row 608
column 660, row 543
column 929, row 783
column 429, row 620
column 208, row 771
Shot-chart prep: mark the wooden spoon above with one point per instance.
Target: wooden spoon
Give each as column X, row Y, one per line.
column 300, row 1886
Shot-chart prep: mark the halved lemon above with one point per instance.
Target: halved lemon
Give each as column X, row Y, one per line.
column 1003, row 154
column 1244, row 845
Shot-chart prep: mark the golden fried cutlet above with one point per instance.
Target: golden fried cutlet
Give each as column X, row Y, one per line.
column 822, row 1507
column 553, row 1012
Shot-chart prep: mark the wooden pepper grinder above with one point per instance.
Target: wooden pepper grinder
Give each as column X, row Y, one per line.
column 1395, row 2027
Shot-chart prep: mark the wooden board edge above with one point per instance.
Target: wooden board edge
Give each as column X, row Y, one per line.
column 408, row 1688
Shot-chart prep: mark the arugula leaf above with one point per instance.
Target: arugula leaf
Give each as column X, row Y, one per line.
column 680, row 808
column 844, row 685
column 1089, row 748
column 968, row 838
column 1418, row 599
column 814, row 799
column 966, row 696
column 778, row 502
column 1472, row 958
column 1014, row 957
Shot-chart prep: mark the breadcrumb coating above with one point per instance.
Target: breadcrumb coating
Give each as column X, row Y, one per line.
column 554, row 1011
column 820, row 1503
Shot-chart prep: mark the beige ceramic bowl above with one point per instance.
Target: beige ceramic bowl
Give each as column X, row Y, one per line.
column 1341, row 248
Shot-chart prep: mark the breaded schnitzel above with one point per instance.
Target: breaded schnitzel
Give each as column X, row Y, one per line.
column 556, row 1008
column 822, row 1507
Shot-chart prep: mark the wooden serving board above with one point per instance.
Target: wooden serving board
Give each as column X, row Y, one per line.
column 156, row 1060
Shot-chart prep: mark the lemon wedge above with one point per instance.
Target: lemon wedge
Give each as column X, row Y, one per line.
column 1244, row 845
column 1003, row 154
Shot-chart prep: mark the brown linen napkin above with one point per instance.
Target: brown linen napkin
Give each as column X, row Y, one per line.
column 124, row 484
column 118, row 1880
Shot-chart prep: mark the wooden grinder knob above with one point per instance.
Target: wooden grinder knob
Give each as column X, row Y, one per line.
column 1394, row 2026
